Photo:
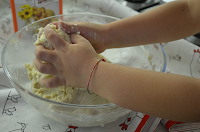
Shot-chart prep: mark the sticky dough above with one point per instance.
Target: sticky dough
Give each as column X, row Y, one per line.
column 42, row 40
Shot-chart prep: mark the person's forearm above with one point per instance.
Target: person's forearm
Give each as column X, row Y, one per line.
column 170, row 96
column 171, row 21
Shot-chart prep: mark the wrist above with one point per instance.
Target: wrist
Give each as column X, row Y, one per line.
column 86, row 71
column 92, row 72
column 93, row 82
column 107, row 37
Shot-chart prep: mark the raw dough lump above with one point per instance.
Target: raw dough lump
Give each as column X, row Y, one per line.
column 41, row 39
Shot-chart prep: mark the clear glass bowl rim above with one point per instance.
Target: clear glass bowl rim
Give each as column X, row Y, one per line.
column 50, row 101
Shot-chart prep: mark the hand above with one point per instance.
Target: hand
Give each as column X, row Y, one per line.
column 96, row 34
column 70, row 63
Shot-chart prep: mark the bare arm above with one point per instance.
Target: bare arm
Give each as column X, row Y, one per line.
column 168, row 96
column 171, row 21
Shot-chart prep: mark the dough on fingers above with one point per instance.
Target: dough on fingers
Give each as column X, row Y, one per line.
column 42, row 40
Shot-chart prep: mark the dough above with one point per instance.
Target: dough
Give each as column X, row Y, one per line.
column 41, row 39
column 60, row 94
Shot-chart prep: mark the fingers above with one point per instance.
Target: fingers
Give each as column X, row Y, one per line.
column 45, row 55
column 52, row 82
column 46, row 68
column 78, row 39
column 67, row 27
column 54, row 38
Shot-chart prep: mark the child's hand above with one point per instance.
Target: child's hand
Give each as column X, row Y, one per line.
column 96, row 34
column 70, row 63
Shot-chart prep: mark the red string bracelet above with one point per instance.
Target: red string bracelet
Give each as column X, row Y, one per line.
column 94, row 67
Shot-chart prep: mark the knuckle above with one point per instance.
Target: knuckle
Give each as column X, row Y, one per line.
column 50, row 35
column 51, row 56
column 38, row 54
column 42, row 68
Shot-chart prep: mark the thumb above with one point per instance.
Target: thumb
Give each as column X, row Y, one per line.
column 68, row 27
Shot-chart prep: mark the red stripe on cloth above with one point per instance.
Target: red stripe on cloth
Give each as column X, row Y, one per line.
column 169, row 124
column 142, row 123
column 180, row 122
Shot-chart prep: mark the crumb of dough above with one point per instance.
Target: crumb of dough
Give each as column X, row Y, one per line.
column 41, row 39
column 60, row 94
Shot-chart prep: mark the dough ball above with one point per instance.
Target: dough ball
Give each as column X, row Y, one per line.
column 42, row 40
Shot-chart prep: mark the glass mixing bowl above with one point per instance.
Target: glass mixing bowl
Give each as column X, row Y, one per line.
column 19, row 50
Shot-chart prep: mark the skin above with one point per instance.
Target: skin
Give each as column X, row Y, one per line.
column 167, row 96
